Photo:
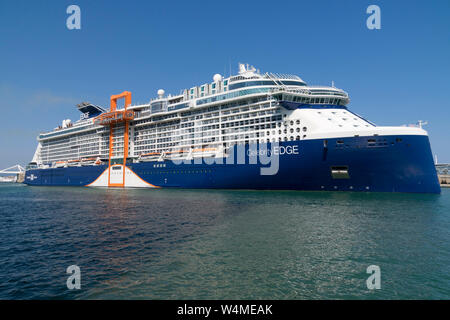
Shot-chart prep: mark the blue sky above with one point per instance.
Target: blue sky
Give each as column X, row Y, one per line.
column 396, row 75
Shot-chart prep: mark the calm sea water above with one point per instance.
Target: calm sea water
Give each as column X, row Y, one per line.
column 211, row 244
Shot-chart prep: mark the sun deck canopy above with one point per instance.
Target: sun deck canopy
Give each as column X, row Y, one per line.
column 90, row 109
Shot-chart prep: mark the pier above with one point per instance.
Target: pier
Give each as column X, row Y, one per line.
column 443, row 171
column 16, row 174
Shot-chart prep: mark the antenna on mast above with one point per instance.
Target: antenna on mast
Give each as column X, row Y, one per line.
column 421, row 123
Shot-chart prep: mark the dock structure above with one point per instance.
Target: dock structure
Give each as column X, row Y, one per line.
column 444, row 180
column 443, row 171
column 16, row 170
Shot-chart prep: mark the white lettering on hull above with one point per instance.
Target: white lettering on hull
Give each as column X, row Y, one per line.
column 277, row 150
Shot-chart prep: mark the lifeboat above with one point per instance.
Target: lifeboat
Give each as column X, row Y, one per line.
column 152, row 156
column 74, row 162
column 60, row 164
column 88, row 161
column 204, row 152
column 176, row 153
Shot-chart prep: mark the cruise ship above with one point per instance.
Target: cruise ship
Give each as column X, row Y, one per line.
column 251, row 130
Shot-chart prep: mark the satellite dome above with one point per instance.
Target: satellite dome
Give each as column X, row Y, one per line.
column 217, row 77
column 161, row 93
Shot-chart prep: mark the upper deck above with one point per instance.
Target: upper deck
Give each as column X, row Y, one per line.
column 248, row 83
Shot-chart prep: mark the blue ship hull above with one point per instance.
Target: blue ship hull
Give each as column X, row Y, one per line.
column 390, row 164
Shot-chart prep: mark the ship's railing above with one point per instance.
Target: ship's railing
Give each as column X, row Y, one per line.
column 313, row 91
column 309, row 92
column 280, row 76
